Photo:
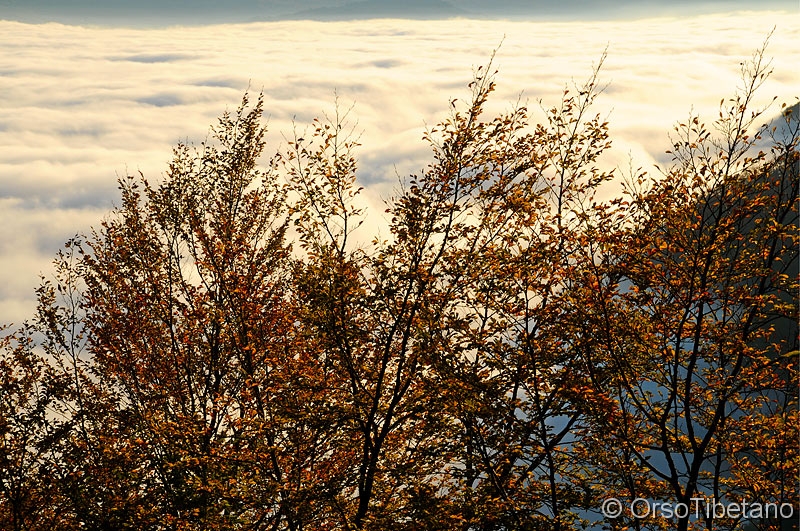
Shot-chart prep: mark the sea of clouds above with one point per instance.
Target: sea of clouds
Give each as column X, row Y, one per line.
column 82, row 106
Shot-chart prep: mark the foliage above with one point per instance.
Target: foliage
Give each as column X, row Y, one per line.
column 218, row 354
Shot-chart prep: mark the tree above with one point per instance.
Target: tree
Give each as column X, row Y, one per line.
column 28, row 501
column 221, row 353
column 702, row 346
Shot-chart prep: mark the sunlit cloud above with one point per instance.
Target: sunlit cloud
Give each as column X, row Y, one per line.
column 82, row 106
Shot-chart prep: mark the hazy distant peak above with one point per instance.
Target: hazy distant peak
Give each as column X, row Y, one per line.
column 167, row 12
column 360, row 9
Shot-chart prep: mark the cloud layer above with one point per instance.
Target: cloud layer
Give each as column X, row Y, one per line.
column 83, row 105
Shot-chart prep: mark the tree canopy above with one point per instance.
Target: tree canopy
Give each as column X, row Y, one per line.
column 520, row 349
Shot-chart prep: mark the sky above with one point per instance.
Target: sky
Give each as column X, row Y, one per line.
column 85, row 101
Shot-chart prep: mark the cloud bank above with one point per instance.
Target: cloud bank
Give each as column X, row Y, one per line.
column 82, row 106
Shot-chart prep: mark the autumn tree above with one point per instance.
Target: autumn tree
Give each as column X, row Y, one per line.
column 508, row 365
column 29, row 500
column 697, row 336
column 193, row 388
column 225, row 352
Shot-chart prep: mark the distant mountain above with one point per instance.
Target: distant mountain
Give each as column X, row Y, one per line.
column 364, row 9
column 783, row 124
column 167, row 12
column 149, row 12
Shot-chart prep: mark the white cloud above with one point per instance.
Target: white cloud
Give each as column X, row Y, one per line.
column 83, row 105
